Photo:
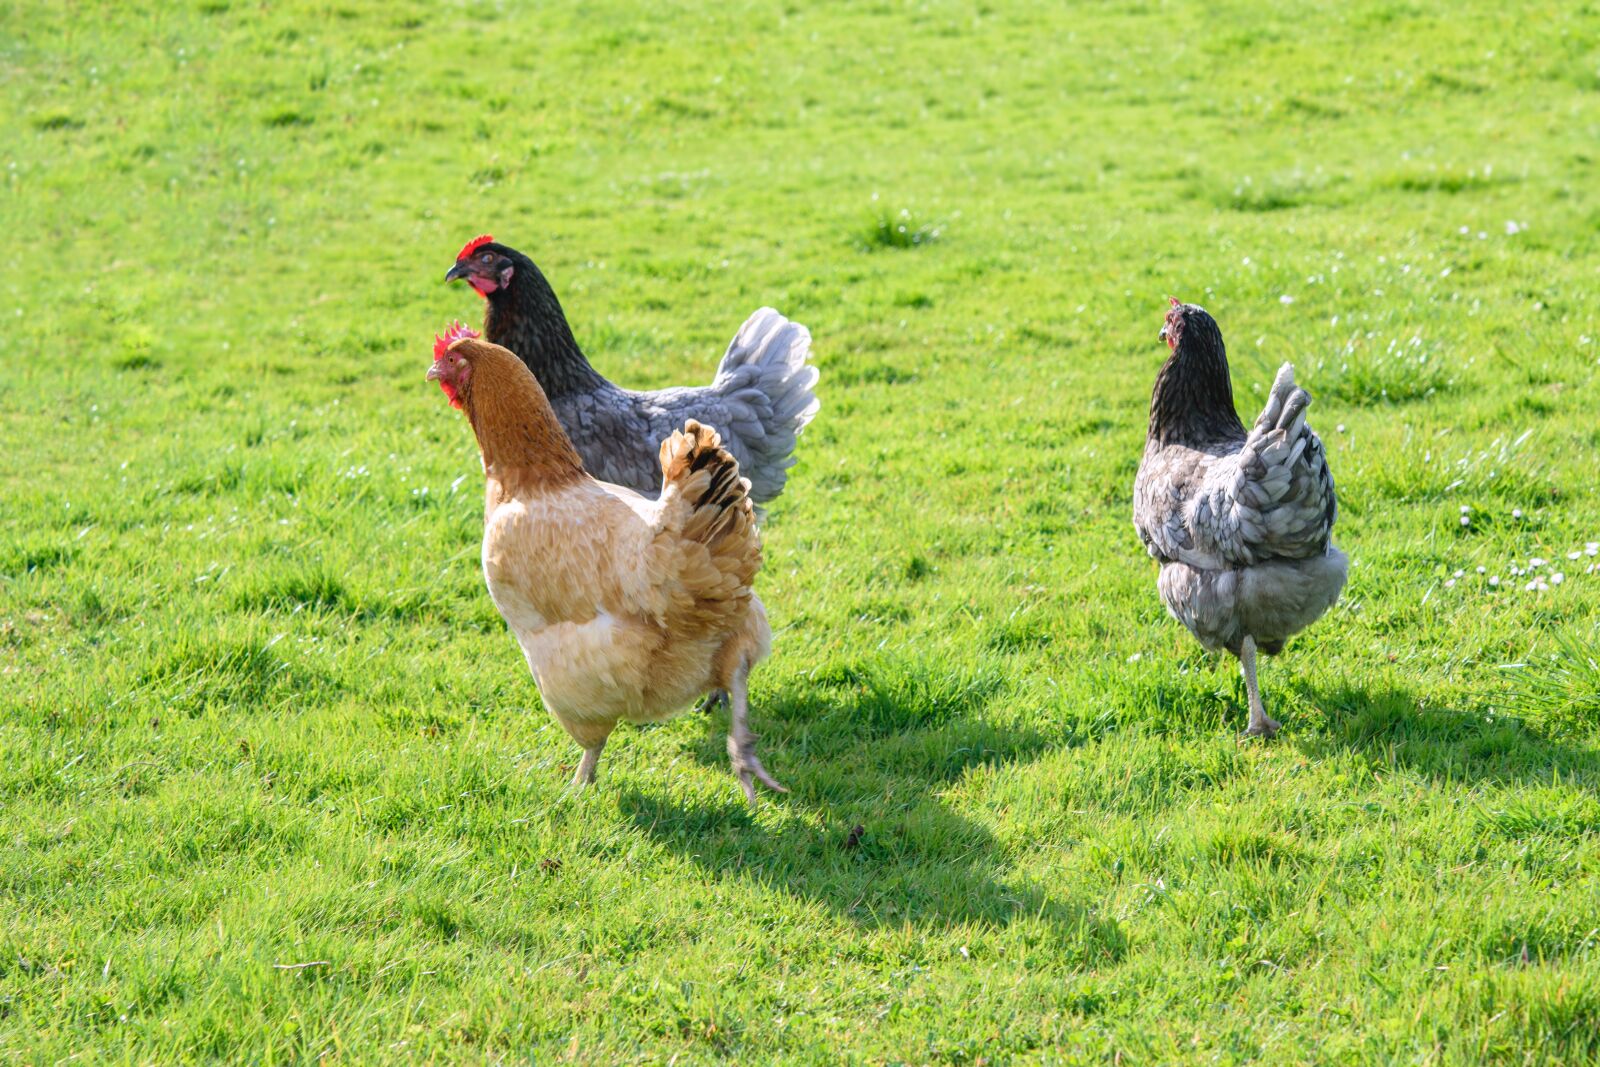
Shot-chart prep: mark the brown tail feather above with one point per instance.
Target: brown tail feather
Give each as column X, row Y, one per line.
column 694, row 460
column 720, row 515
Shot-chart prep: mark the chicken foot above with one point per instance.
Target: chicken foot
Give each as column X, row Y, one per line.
column 717, row 698
column 742, row 743
column 1260, row 724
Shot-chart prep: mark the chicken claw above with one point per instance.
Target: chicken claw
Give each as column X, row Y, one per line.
column 1263, row 727
column 717, row 698
column 749, row 768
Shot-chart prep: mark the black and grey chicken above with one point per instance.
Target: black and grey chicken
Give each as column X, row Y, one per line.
column 762, row 396
column 1241, row 522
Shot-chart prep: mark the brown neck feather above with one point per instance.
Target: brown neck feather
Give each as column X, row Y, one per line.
column 523, row 445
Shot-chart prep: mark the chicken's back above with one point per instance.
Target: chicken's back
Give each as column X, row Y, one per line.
column 616, row 432
column 1263, row 496
column 762, row 397
column 626, row 607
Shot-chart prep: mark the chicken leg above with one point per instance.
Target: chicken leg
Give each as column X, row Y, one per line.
column 587, row 765
column 742, row 743
column 1260, row 724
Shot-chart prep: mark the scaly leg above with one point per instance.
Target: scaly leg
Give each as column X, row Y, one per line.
column 1260, row 724
column 587, row 765
column 742, row 743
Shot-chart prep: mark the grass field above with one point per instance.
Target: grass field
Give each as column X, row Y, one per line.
column 276, row 785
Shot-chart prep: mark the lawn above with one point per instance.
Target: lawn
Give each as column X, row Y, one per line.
column 276, row 784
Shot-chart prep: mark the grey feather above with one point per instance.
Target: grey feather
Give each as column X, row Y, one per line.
column 761, row 398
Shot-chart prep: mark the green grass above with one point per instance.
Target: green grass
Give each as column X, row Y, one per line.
column 256, row 709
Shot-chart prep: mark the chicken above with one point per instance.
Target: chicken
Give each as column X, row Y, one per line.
column 1241, row 523
column 625, row 607
column 761, row 398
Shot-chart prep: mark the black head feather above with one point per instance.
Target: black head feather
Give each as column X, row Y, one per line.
column 1192, row 403
column 526, row 317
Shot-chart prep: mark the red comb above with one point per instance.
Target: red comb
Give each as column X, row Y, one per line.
column 474, row 244
column 1174, row 300
column 453, row 333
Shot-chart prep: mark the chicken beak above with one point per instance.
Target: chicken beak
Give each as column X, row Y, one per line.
column 1163, row 334
column 457, row 271
column 436, row 372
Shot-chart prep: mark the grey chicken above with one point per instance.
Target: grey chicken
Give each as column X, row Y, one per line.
column 762, row 396
column 1241, row 522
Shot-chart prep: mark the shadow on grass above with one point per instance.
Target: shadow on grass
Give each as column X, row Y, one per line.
column 866, row 753
column 1392, row 727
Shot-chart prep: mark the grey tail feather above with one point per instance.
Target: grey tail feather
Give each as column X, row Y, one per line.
column 771, row 356
column 1284, row 378
column 1285, row 400
column 1295, row 399
column 1295, row 409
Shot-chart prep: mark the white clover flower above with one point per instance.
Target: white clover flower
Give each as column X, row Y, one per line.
column 1516, row 513
column 1466, row 520
column 1464, row 230
column 1591, row 548
column 1465, row 508
column 1458, row 574
column 1536, row 561
column 1512, row 229
column 1557, row 578
column 1481, row 570
column 1574, row 554
column 1340, row 429
column 1494, row 580
column 1285, row 299
column 1450, row 583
